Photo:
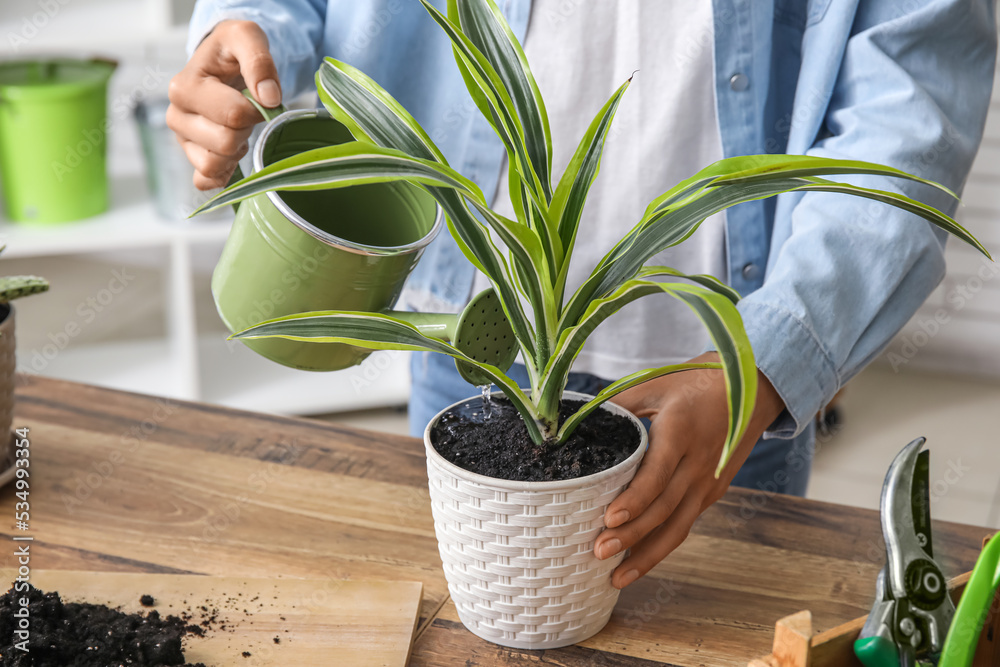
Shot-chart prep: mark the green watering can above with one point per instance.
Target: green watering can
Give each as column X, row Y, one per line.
column 347, row 249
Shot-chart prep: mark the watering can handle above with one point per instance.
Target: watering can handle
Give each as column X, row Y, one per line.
column 973, row 608
column 269, row 115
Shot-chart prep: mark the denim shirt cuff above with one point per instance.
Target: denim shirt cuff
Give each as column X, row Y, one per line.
column 790, row 355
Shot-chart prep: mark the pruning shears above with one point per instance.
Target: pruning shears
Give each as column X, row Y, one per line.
column 913, row 611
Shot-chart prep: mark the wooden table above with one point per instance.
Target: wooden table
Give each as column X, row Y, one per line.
column 122, row 482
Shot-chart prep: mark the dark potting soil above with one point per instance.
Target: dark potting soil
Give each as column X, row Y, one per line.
column 498, row 445
column 87, row 635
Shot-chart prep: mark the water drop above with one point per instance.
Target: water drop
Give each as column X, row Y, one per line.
column 487, row 400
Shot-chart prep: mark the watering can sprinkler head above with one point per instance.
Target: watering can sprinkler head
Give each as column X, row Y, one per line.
column 481, row 331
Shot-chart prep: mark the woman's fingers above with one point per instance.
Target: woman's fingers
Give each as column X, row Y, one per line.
column 244, row 44
column 195, row 93
column 654, row 474
column 208, row 112
column 211, row 170
column 658, row 544
column 207, row 134
column 655, row 513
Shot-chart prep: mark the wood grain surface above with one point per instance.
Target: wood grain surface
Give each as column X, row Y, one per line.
column 129, row 483
column 274, row 622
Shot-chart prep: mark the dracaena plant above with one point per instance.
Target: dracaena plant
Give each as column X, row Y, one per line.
column 532, row 267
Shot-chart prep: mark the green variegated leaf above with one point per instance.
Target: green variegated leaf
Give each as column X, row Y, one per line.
column 486, row 27
column 667, row 228
column 763, row 167
column 477, row 246
column 370, row 113
column 529, row 257
column 540, row 223
column 725, row 327
column 502, row 113
column 928, row 213
column 669, row 225
column 377, row 331
column 354, row 163
column 617, row 387
column 720, row 317
column 571, row 193
column 709, row 282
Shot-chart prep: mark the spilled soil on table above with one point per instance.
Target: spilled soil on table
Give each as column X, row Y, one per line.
column 87, row 635
column 494, row 441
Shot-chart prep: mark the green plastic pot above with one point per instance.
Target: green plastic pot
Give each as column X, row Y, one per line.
column 53, row 127
column 343, row 249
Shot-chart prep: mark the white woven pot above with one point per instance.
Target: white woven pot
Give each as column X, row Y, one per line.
column 519, row 556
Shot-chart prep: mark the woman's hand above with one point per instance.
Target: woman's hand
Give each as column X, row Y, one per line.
column 207, row 110
column 676, row 481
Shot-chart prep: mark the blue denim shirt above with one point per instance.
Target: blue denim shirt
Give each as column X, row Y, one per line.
column 828, row 279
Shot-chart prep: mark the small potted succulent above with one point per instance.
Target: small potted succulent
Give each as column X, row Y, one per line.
column 518, row 555
column 11, row 287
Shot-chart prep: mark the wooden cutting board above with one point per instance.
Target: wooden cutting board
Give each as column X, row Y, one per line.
column 317, row 622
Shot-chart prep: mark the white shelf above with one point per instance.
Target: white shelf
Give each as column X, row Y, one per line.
column 142, row 366
column 235, row 376
column 131, row 223
column 231, row 375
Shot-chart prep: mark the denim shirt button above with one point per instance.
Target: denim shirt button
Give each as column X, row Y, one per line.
column 739, row 82
column 751, row 271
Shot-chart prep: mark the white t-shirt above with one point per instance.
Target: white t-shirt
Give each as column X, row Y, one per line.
column 665, row 130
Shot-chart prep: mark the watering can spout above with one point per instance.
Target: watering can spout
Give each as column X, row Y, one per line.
column 481, row 331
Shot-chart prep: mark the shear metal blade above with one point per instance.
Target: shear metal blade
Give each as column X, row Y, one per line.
column 920, row 494
column 906, row 521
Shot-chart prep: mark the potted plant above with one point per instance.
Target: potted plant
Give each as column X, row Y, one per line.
column 11, row 287
column 518, row 555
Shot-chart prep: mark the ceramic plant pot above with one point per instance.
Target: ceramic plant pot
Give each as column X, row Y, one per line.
column 519, row 556
column 341, row 249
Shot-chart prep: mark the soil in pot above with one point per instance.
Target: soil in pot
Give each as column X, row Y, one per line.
column 88, row 635
column 494, row 442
